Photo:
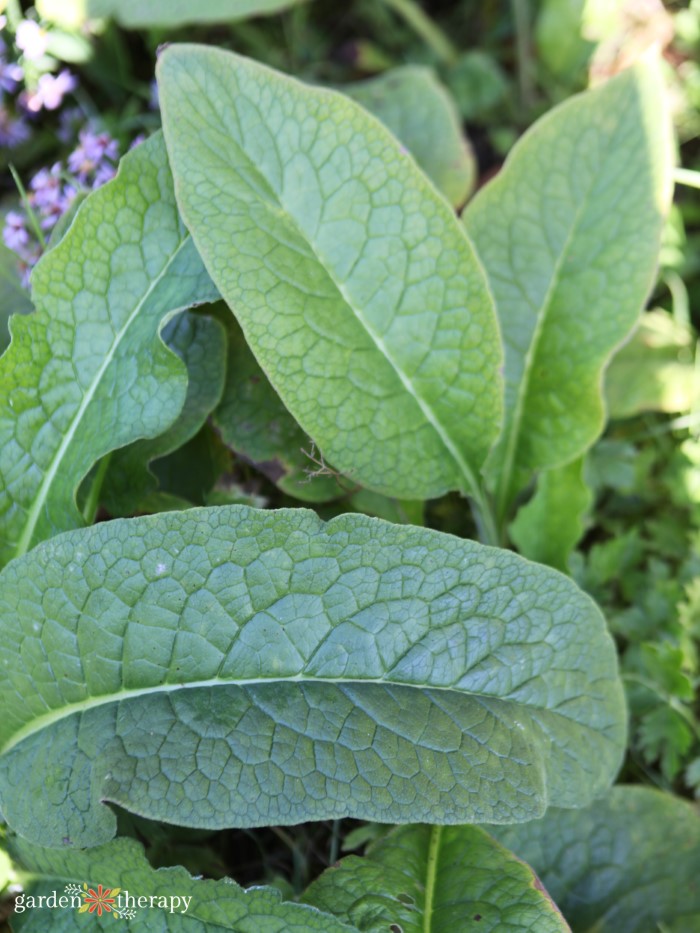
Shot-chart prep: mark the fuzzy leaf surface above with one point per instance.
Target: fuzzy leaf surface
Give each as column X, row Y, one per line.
column 569, row 234
column 122, row 865
column 200, row 342
column 436, row 879
column 629, row 863
column 419, row 111
column 87, row 372
column 337, row 256
column 236, row 666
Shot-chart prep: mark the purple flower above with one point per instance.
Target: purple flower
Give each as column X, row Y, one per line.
column 15, row 234
column 13, row 130
column 92, row 155
column 10, row 76
column 51, row 90
column 32, row 40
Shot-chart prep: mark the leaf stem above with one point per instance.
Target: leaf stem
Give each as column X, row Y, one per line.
column 431, row 876
column 27, row 205
column 485, row 520
column 521, row 17
column 686, row 176
column 93, row 500
column 422, row 25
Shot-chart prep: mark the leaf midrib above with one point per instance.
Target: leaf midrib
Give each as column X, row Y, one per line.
column 431, row 877
column 42, row 494
column 472, row 484
column 38, row 723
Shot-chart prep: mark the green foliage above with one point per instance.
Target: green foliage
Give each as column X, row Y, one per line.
column 365, row 271
column 191, row 904
column 434, row 879
column 200, row 342
column 412, row 103
column 551, row 524
column 13, row 298
column 318, row 684
column 629, row 863
column 172, row 13
column 90, row 356
column 569, row 235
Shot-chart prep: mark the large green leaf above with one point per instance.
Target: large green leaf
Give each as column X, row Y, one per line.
column 435, row 879
column 255, row 424
column 234, row 666
column 419, row 111
column 569, row 235
column 87, row 372
column 183, row 904
column 200, row 341
column 355, row 285
column 137, row 14
column 629, row 863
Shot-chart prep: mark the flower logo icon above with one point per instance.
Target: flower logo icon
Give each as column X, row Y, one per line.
column 102, row 900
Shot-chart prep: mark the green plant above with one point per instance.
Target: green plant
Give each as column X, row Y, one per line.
column 236, row 666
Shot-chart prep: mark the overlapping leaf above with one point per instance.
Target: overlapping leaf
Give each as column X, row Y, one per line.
column 629, row 863
column 354, row 284
column 419, row 111
column 435, row 879
column 234, row 666
column 569, row 235
column 200, row 341
column 87, row 372
column 182, row 903
column 253, row 421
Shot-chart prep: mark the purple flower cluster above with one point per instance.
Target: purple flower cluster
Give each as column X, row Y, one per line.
column 52, row 191
column 45, row 91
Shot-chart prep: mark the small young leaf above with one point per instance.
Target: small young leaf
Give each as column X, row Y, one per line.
column 435, row 879
column 87, row 372
column 235, row 666
column 629, row 863
column 338, row 258
column 136, row 14
column 419, row 111
column 569, row 235
column 189, row 903
column 254, row 423
column 200, row 342
column 550, row 525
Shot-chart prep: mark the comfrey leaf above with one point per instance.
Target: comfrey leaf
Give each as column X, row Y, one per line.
column 87, row 372
column 355, row 285
column 569, row 234
column 234, row 666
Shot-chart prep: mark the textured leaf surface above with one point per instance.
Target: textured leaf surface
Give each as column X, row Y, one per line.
column 435, row 879
column 654, row 371
column 200, row 905
column 200, row 342
column 87, row 372
column 629, row 863
column 337, row 257
column 419, row 111
column 255, row 424
column 569, row 235
column 136, row 13
column 234, row 666
column 551, row 524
